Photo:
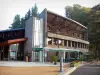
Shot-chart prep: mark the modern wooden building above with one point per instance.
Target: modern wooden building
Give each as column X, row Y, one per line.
column 53, row 35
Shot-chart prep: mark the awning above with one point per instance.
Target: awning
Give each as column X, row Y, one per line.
column 37, row 49
column 61, row 49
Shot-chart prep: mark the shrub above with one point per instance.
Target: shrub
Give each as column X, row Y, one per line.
column 72, row 64
column 55, row 59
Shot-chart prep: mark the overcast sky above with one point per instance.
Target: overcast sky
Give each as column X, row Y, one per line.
column 9, row 8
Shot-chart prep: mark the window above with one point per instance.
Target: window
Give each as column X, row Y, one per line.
column 65, row 42
column 69, row 43
column 60, row 42
column 55, row 41
column 72, row 43
column 49, row 40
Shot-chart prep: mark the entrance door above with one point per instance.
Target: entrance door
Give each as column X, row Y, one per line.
column 37, row 56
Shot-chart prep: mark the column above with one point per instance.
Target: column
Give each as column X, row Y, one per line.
column 40, row 56
column 77, row 44
column 64, row 55
column 63, row 43
column 9, row 54
column 43, row 55
column 67, row 43
column 74, row 44
column 32, row 56
column 68, row 56
column 52, row 41
column 71, row 43
column 78, row 56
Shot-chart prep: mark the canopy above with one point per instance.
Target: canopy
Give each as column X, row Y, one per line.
column 61, row 49
column 37, row 49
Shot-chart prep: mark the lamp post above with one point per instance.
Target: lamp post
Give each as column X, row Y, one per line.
column 61, row 58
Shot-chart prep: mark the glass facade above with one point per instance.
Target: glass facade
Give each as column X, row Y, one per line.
column 38, row 33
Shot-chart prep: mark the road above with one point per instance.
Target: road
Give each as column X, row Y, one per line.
column 87, row 70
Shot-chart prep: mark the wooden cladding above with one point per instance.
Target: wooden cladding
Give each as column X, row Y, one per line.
column 57, row 24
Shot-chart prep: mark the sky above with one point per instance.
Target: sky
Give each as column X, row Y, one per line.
column 9, row 8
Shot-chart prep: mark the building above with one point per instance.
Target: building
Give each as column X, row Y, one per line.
column 53, row 35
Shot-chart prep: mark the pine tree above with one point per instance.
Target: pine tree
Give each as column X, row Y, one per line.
column 34, row 11
column 16, row 22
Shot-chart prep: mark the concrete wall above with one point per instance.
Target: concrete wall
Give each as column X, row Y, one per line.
column 28, row 34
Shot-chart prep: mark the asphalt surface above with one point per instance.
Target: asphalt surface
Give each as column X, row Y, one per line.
column 87, row 70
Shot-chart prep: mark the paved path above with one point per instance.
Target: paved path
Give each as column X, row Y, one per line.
column 27, row 64
column 87, row 70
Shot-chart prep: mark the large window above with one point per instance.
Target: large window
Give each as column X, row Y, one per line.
column 38, row 33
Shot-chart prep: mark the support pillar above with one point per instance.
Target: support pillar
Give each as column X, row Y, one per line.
column 67, row 43
column 71, row 43
column 63, row 43
column 68, row 56
column 64, row 56
column 77, row 45
column 78, row 56
column 74, row 44
column 52, row 41
column 40, row 56
column 32, row 56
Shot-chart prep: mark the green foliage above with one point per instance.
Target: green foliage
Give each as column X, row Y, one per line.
column 94, row 31
column 20, row 22
column 72, row 64
column 78, row 13
column 16, row 22
column 54, row 58
column 81, row 58
column 34, row 11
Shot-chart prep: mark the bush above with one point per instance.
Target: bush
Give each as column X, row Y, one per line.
column 72, row 64
column 55, row 59
column 81, row 58
column 75, row 63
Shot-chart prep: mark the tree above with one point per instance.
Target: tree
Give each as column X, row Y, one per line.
column 22, row 23
column 29, row 14
column 78, row 13
column 16, row 22
column 34, row 11
column 94, row 31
